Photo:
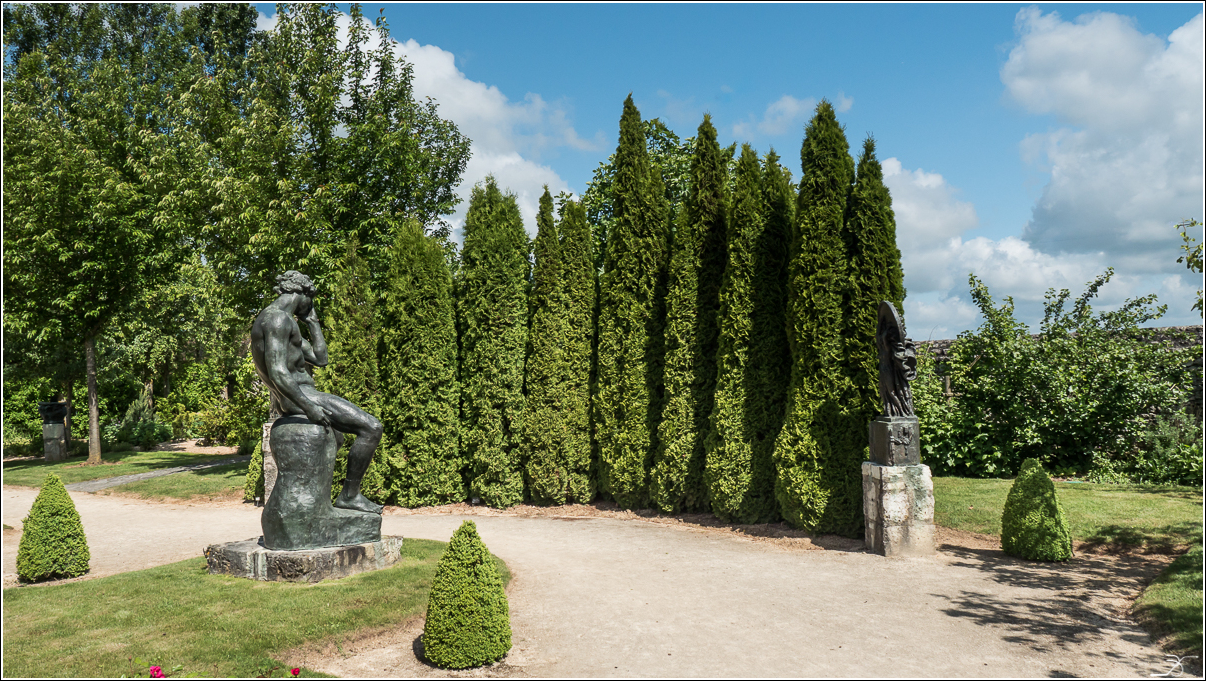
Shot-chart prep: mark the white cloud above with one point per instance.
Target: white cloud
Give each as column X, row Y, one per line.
column 1128, row 164
column 509, row 137
column 843, row 103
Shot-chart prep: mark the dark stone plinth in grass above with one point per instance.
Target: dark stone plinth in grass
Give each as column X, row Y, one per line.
column 249, row 559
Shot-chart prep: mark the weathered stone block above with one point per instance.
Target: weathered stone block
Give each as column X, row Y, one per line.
column 898, row 509
column 895, row 441
column 54, row 442
column 251, row 560
column 269, row 463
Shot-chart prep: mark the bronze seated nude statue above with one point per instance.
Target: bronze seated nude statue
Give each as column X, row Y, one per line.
column 299, row 513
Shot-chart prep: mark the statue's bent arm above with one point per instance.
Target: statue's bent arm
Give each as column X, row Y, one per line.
column 316, row 353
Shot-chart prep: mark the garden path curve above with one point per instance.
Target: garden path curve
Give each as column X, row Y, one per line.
column 609, row 597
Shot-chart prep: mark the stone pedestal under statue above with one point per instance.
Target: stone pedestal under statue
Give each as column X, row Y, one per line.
column 54, row 430
column 250, row 560
column 898, row 509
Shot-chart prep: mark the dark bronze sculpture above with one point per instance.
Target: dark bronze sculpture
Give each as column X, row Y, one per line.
column 894, row 435
column 897, row 363
column 299, row 513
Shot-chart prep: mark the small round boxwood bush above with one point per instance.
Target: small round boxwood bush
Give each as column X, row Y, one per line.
column 52, row 539
column 468, row 620
column 1033, row 525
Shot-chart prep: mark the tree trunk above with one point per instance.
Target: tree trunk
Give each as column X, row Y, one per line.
column 94, row 440
column 69, row 393
column 149, row 387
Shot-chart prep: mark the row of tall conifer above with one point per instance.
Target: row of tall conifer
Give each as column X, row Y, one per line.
column 722, row 358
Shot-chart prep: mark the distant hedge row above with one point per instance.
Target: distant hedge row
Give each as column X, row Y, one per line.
column 721, row 357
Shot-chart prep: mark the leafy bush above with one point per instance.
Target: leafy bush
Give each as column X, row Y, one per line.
column 468, row 620
column 1033, row 525
column 253, row 488
column 52, row 538
column 1170, row 452
column 1079, row 391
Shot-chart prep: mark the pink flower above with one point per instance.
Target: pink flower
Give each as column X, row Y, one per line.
column 156, row 672
column 296, row 670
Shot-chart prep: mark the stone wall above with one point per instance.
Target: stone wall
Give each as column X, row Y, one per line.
column 1181, row 337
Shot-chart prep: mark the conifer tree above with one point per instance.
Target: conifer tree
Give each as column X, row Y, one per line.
column 420, row 392
column 492, row 312
column 817, row 477
column 580, row 283
column 351, row 334
column 697, row 265
column 630, row 319
column 875, row 276
column 545, row 455
column 740, row 487
column 770, row 356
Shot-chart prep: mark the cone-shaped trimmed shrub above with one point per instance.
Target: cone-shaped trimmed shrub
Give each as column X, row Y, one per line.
column 740, row 486
column 1033, row 525
column 468, row 619
column 420, row 395
column 697, row 261
column 630, row 347
column 819, row 450
column 492, row 316
column 52, row 536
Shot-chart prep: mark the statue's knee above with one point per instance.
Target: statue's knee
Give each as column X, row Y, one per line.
column 375, row 428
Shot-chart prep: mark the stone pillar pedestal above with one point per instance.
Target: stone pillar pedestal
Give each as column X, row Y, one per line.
column 269, row 462
column 54, row 442
column 898, row 508
column 54, row 433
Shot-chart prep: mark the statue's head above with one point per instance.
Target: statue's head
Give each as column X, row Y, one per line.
column 904, row 356
column 294, row 282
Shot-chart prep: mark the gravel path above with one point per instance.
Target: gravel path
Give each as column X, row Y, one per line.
column 610, row 597
column 106, row 483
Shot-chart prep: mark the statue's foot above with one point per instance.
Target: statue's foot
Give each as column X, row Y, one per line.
column 357, row 502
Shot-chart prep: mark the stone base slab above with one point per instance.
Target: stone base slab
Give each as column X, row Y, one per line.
column 898, row 508
column 249, row 559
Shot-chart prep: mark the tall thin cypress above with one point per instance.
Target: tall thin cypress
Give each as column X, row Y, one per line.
column 544, row 435
column 875, row 275
column 770, row 355
column 629, row 347
column 492, row 312
column 697, row 265
column 740, row 487
column 351, row 333
column 817, row 480
column 420, row 394
column 578, row 278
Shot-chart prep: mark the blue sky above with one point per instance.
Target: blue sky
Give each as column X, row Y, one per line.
column 1032, row 144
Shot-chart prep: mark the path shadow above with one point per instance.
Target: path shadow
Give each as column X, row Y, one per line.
column 1071, row 603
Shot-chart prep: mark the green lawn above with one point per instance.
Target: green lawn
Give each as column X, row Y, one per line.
column 32, row 473
column 207, row 482
column 1161, row 518
column 210, row 625
column 1158, row 518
